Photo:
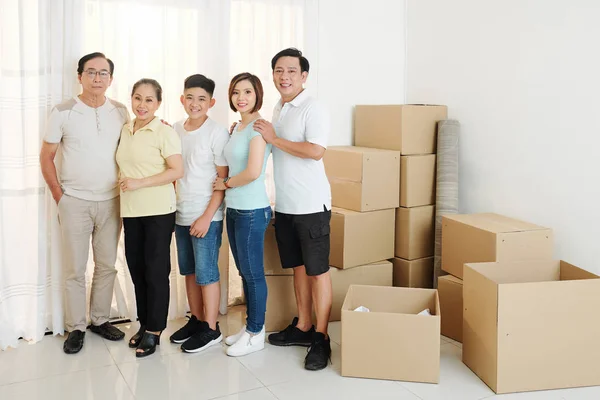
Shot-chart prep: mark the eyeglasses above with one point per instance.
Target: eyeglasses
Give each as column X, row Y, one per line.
column 91, row 73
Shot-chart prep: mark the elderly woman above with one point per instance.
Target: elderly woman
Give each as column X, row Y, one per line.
column 149, row 158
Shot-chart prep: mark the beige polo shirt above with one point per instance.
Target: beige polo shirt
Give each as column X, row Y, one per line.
column 88, row 139
column 142, row 155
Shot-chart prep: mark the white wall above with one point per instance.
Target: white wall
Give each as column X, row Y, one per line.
column 523, row 78
column 360, row 58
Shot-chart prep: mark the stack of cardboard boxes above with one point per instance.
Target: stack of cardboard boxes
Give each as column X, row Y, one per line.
column 411, row 130
column 383, row 195
column 486, row 237
column 527, row 322
column 362, row 217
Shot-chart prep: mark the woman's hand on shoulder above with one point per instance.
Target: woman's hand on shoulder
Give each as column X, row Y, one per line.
column 266, row 129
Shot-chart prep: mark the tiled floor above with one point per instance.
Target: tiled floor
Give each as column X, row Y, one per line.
column 109, row 370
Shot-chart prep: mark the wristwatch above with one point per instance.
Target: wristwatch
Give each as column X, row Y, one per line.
column 225, row 182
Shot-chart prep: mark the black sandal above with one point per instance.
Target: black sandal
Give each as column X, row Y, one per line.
column 137, row 338
column 147, row 344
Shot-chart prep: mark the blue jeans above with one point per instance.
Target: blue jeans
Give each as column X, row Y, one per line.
column 199, row 256
column 246, row 231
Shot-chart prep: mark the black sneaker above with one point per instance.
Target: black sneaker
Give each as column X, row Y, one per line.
column 319, row 353
column 186, row 331
column 202, row 339
column 292, row 336
column 74, row 342
column 108, row 331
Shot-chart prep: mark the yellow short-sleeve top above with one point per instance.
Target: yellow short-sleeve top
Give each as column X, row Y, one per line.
column 142, row 155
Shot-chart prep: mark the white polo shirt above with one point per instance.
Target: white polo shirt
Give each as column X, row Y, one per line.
column 301, row 185
column 88, row 140
column 202, row 152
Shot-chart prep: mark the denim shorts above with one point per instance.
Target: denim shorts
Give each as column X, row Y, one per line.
column 199, row 256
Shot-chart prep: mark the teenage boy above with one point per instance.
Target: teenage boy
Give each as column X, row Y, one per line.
column 299, row 135
column 199, row 219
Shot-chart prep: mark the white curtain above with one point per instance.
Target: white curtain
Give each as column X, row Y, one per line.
column 167, row 40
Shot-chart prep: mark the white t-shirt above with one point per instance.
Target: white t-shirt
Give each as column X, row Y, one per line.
column 301, row 185
column 202, row 152
column 88, row 140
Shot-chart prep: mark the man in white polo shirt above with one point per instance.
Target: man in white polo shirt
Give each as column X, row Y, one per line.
column 87, row 128
column 299, row 136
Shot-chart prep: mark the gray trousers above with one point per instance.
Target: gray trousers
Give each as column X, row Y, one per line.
column 80, row 219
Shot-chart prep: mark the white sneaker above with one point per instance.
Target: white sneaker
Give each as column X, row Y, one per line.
column 230, row 340
column 247, row 344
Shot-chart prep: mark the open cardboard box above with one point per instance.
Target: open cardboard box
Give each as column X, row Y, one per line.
column 531, row 325
column 391, row 341
column 375, row 274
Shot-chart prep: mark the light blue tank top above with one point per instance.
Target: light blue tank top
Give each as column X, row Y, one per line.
column 253, row 195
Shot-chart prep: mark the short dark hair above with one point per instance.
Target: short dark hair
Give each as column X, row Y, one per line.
column 256, row 84
column 91, row 56
column 151, row 82
column 291, row 52
column 199, row 81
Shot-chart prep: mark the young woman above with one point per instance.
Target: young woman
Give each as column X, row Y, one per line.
column 149, row 158
column 248, row 209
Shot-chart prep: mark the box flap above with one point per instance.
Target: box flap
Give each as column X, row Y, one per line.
column 569, row 272
column 451, row 280
column 518, row 271
column 480, row 317
column 494, row 223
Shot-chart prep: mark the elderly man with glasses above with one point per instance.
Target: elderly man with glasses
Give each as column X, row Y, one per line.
column 87, row 128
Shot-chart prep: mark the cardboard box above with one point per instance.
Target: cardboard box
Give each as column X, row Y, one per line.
column 450, row 290
column 415, row 273
column 417, row 180
column 361, row 238
column 391, row 341
column 472, row 238
column 281, row 303
column 415, row 232
column 531, row 325
column 408, row 128
column 363, row 179
column 376, row 274
column 271, row 256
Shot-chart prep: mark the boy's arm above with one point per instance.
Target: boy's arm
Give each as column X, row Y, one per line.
column 200, row 226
